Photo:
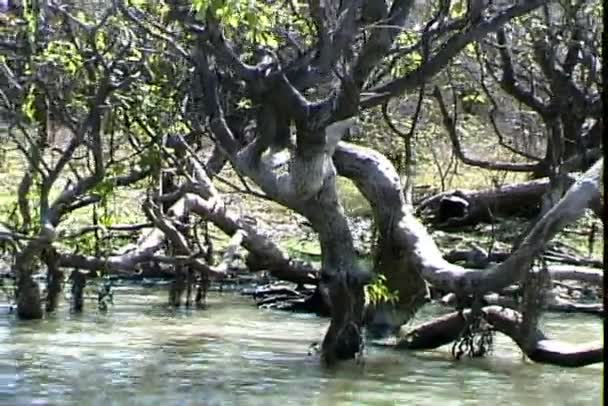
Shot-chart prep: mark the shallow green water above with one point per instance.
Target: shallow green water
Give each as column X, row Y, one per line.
column 140, row 353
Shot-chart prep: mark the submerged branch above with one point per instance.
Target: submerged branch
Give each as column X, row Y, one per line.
column 539, row 348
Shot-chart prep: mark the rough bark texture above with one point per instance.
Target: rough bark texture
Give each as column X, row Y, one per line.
column 29, row 304
column 341, row 278
column 537, row 346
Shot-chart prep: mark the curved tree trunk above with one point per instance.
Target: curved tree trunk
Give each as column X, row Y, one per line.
column 370, row 172
column 378, row 181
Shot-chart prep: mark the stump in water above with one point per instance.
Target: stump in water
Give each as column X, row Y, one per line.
column 27, row 291
column 28, row 298
column 54, row 279
column 79, row 282
column 201, row 289
column 178, row 286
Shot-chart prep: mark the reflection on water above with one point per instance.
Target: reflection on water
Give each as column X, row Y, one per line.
column 141, row 353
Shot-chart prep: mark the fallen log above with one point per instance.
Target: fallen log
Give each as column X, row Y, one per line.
column 573, row 268
column 576, row 273
column 568, row 306
column 512, row 299
column 552, row 255
column 468, row 207
column 538, row 348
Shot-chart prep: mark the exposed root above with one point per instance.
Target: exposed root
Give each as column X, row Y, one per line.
column 537, row 347
column 476, row 340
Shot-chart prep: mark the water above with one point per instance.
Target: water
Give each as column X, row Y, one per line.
column 141, row 353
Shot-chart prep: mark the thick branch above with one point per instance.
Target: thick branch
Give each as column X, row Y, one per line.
column 377, row 179
column 382, row 37
column 275, row 260
column 508, row 81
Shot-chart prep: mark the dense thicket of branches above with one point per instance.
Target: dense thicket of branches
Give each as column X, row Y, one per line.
column 123, row 95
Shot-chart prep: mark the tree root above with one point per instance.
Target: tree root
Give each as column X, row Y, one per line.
column 537, row 347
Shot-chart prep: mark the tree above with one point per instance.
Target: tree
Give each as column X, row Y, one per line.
column 73, row 81
column 260, row 91
column 313, row 94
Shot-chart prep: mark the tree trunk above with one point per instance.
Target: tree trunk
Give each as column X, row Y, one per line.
column 54, row 278
column 79, row 281
column 178, row 285
column 380, row 184
column 342, row 278
column 28, row 298
column 391, row 261
column 29, row 305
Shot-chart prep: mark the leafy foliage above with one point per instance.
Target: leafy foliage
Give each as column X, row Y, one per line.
column 377, row 292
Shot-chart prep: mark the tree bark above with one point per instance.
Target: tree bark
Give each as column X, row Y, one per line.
column 342, row 279
column 29, row 304
column 178, row 286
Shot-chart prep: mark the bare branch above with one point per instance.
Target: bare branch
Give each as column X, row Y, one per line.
column 450, row 126
column 450, row 48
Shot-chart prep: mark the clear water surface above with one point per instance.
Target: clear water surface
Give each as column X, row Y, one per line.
column 141, row 353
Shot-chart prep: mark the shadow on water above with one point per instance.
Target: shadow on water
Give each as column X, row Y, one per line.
column 141, row 352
